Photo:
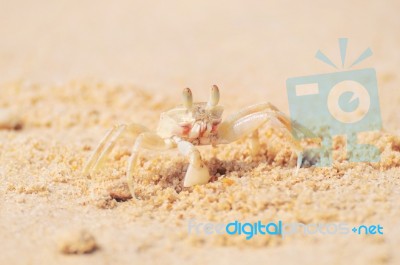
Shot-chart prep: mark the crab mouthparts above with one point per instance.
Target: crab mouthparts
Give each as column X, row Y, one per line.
column 199, row 129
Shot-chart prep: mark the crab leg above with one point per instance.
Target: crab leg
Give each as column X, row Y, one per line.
column 231, row 119
column 96, row 153
column 234, row 129
column 255, row 142
column 266, row 106
column 250, row 110
column 146, row 140
column 107, row 144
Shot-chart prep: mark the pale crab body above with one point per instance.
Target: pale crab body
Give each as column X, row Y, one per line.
column 192, row 124
column 198, row 125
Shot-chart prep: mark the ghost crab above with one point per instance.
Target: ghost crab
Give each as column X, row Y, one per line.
column 192, row 124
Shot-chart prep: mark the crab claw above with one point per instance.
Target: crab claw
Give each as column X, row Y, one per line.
column 196, row 175
column 197, row 172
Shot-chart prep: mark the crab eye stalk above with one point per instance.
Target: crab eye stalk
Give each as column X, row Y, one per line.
column 214, row 97
column 187, row 98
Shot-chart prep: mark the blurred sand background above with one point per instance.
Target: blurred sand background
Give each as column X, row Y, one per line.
column 72, row 69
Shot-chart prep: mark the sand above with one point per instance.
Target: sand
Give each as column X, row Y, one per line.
column 63, row 88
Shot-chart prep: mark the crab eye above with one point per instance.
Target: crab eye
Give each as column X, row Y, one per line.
column 187, row 98
column 214, row 97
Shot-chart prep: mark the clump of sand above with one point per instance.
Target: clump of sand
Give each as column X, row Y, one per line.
column 77, row 242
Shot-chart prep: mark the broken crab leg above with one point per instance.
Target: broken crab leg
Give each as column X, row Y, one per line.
column 107, row 144
column 197, row 172
column 146, row 140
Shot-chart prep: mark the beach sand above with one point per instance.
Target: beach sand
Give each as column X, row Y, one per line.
column 71, row 71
